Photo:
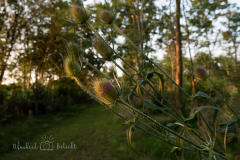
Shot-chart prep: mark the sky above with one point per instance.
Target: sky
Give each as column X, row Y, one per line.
column 160, row 53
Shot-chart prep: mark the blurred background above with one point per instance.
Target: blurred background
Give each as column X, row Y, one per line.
column 37, row 99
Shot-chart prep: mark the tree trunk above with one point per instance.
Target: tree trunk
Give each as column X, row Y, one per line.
column 178, row 55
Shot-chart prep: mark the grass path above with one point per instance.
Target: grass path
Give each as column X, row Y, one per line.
column 97, row 134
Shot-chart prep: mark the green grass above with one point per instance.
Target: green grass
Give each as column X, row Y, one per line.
column 97, row 133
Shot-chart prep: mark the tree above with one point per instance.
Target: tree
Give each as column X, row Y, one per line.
column 179, row 63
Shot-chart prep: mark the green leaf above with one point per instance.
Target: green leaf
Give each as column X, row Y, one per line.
column 62, row 57
column 202, row 94
column 180, row 140
column 161, row 80
column 175, row 156
column 228, row 135
column 198, row 154
column 139, row 92
column 129, row 137
column 153, row 106
column 130, row 96
column 65, row 42
column 131, row 79
column 149, row 75
column 238, row 123
column 217, row 157
column 210, row 155
column 183, row 109
column 174, row 149
column 143, row 82
column 175, row 126
column 195, row 110
column 115, row 78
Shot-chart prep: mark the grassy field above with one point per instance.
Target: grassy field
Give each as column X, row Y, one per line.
column 96, row 132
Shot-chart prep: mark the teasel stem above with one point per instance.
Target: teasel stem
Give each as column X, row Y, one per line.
column 79, row 83
column 151, row 127
column 222, row 98
column 137, row 126
column 119, row 30
column 127, row 74
column 108, row 107
column 127, row 64
column 158, row 124
column 147, row 124
column 97, row 34
column 181, row 121
column 124, row 61
column 208, row 126
column 118, row 56
column 94, row 68
column 148, row 92
column 174, row 117
column 161, row 126
column 142, row 121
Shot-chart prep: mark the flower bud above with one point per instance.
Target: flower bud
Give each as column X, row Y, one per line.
column 71, row 66
column 79, row 14
column 106, row 91
column 201, row 72
column 74, row 49
column 101, row 48
column 106, row 16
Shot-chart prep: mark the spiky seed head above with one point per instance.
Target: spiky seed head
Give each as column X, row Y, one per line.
column 101, row 48
column 201, row 72
column 106, row 16
column 71, row 66
column 106, row 91
column 78, row 13
column 74, row 49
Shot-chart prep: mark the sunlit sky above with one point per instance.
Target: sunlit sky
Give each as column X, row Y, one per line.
column 216, row 51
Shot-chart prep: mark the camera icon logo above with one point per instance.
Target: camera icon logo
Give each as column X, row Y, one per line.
column 46, row 144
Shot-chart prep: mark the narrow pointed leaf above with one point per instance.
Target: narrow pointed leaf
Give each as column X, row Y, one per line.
column 139, row 92
column 217, row 157
column 202, row 94
column 183, row 109
column 180, row 140
column 129, row 136
column 153, row 106
column 194, row 111
column 198, row 154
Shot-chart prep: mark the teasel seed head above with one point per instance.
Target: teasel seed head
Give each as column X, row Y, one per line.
column 106, row 91
column 71, row 66
column 201, row 72
column 106, row 16
column 101, row 48
column 79, row 14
